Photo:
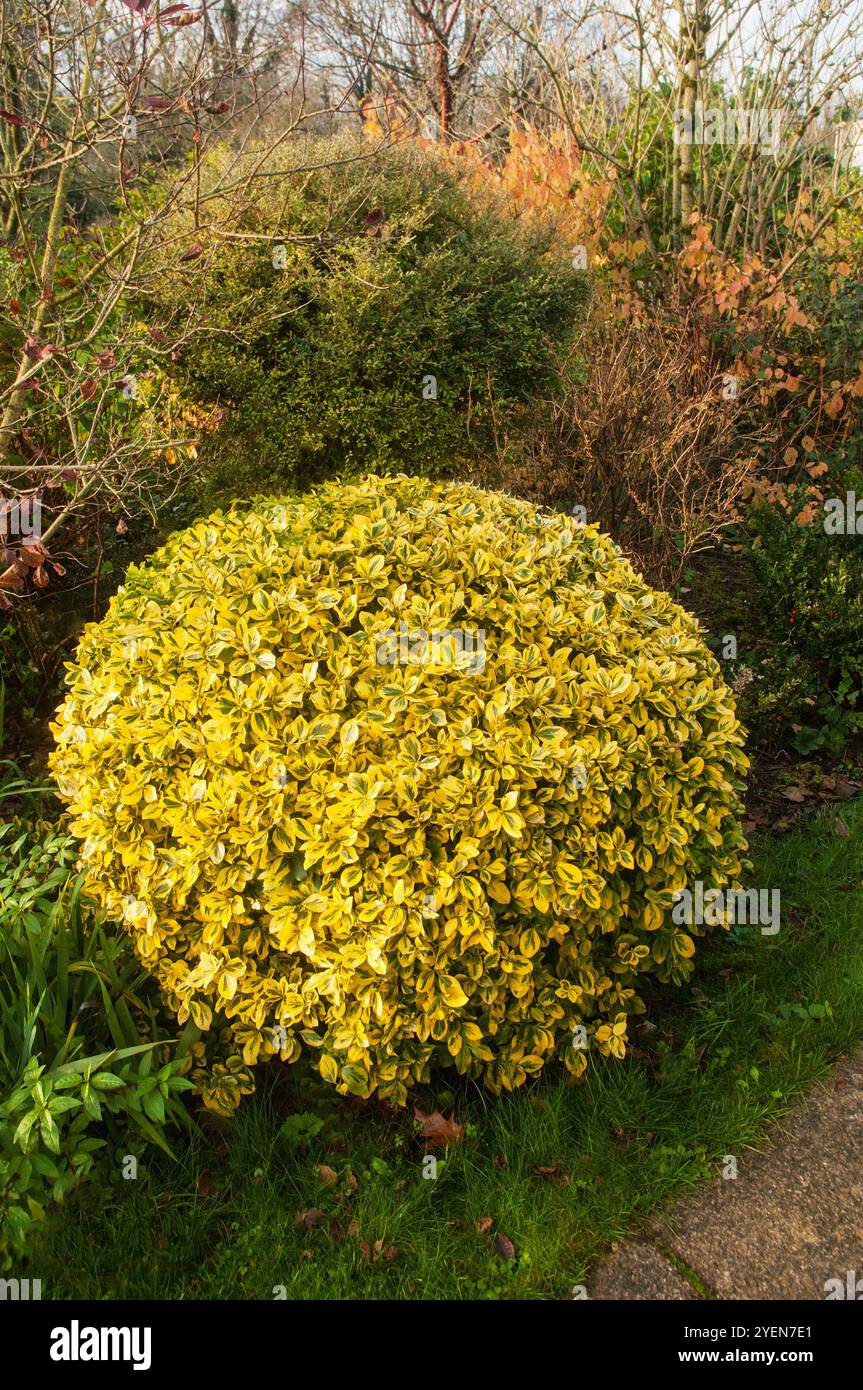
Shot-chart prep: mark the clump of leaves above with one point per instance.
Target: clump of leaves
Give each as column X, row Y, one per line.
column 298, row 1131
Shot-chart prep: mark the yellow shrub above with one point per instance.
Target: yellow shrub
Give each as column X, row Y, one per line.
column 403, row 771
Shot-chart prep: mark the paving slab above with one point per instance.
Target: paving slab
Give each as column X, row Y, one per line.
column 787, row 1225
column 636, row 1270
column 792, row 1219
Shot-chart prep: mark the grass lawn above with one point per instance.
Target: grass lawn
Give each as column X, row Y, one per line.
column 711, row 1066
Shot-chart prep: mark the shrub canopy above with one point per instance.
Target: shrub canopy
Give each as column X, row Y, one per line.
column 332, row 296
column 404, row 773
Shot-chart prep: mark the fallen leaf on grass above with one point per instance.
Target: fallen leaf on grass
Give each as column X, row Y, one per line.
column 841, row 828
column 553, row 1174
column 327, row 1175
column 484, row 1225
column 378, row 1251
column 500, row 1161
column 313, row 1216
column 795, row 793
column 440, row 1130
column 504, row 1246
column 206, row 1186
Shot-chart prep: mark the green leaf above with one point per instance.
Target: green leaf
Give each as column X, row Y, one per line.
column 92, row 1106
column 59, row 1104
column 154, row 1107
column 107, row 1081
column 45, row 1166
column 22, row 1133
column 49, row 1131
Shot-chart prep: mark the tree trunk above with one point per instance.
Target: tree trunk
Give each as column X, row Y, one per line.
column 443, row 77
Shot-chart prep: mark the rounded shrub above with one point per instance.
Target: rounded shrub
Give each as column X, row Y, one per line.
column 404, row 773
column 364, row 308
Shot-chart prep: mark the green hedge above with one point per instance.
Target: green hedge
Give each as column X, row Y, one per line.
column 393, row 273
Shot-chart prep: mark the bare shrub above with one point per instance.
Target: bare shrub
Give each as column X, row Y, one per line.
column 647, row 435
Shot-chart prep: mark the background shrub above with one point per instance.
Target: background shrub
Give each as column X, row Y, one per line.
column 805, row 630
column 330, row 840
column 393, row 273
column 641, row 436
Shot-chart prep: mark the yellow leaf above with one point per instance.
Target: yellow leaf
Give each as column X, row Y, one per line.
column 452, row 992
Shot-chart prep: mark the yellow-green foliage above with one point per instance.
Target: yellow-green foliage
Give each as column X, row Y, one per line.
column 449, row 860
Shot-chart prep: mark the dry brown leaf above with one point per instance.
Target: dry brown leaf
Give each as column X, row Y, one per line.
column 552, row 1173
column 440, row 1130
column 313, row 1216
column 206, row 1186
column 504, row 1246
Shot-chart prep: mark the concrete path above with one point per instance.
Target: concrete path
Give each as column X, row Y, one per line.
column 791, row 1221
